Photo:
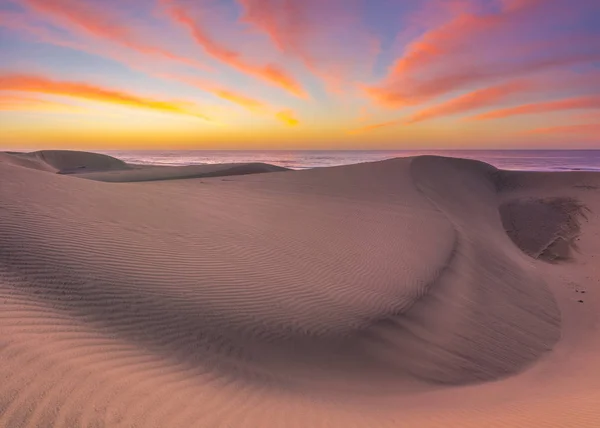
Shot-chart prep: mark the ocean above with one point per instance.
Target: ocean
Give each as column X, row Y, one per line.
column 529, row 160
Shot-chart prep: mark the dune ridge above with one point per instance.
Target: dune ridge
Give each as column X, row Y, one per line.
column 64, row 161
column 100, row 167
column 363, row 295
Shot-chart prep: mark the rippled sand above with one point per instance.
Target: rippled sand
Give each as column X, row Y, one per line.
column 415, row 292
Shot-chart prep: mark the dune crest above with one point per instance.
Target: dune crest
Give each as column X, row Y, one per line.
column 99, row 167
column 263, row 297
column 64, row 161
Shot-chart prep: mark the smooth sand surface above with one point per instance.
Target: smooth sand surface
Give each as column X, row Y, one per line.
column 415, row 292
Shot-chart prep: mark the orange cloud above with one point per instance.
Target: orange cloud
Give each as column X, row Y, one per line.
column 216, row 90
column 242, row 100
column 20, row 22
column 287, row 117
column 591, row 102
column 582, row 130
column 251, row 104
column 595, row 116
column 473, row 100
column 375, row 126
column 23, row 103
column 86, row 17
column 470, row 101
column 40, row 84
column 269, row 73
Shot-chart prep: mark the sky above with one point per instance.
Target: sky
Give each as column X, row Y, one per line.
column 300, row 74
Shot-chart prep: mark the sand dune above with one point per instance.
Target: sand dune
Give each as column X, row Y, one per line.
column 99, row 167
column 64, row 161
column 411, row 292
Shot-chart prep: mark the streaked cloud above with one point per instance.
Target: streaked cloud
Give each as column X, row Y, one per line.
column 21, row 23
column 238, row 98
column 578, row 103
column 324, row 36
column 375, row 126
column 462, row 104
column 89, row 17
column 473, row 100
column 89, row 92
column 580, row 130
column 270, row 73
column 457, row 54
column 10, row 102
column 288, row 117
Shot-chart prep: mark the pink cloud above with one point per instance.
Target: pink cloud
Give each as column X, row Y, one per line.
column 101, row 22
column 461, row 104
column 271, row 73
column 456, row 54
column 580, row 130
column 22, row 23
column 474, row 100
column 577, row 103
column 325, row 36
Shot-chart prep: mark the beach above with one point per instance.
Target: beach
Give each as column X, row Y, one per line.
column 411, row 292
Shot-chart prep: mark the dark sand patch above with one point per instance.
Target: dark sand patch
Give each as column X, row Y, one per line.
column 544, row 228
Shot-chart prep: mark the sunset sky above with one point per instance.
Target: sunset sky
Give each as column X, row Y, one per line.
column 282, row 74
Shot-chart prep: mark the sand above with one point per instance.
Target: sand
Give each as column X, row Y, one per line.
column 414, row 292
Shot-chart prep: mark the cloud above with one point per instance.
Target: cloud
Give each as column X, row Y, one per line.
column 9, row 102
column 22, row 23
column 415, row 92
column 594, row 116
column 364, row 114
column 268, row 15
column 235, row 97
column 26, row 25
column 580, row 130
column 456, row 54
column 87, row 17
column 376, row 126
column 452, row 36
column 325, row 36
column 464, row 103
column 577, row 103
column 239, row 99
column 44, row 85
column 474, row 100
column 42, row 33
column 287, row 117
column 270, row 73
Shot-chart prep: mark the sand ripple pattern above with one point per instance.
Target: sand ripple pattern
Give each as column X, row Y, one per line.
column 264, row 300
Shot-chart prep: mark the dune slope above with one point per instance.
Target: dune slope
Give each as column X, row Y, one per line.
column 99, row 167
column 64, row 161
column 381, row 294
